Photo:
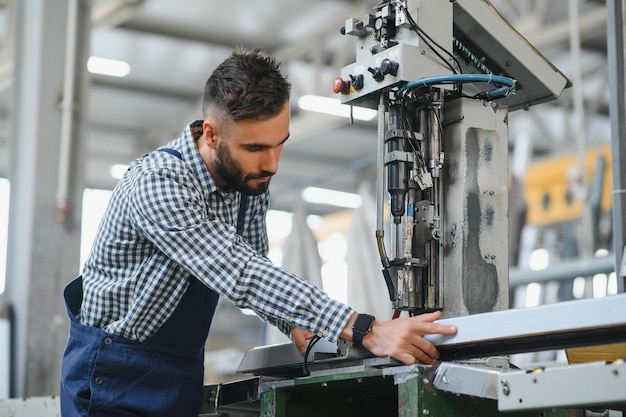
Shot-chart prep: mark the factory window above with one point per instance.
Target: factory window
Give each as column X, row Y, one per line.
column 94, row 203
column 4, row 226
column 335, row 270
column 331, row 248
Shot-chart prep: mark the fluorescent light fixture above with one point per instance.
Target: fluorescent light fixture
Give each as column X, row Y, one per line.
column 331, row 197
column 110, row 67
column 313, row 221
column 539, row 259
column 333, row 106
column 117, row 171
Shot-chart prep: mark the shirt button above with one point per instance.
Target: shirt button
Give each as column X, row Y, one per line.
column 228, row 200
column 98, row 380
column 325, row 333
column 108, row 341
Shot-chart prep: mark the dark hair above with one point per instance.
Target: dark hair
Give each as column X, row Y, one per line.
column 247, row 86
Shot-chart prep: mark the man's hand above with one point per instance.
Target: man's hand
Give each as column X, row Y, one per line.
column 300, row 337
column 402, row 338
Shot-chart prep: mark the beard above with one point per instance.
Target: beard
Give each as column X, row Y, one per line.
column 232, row 174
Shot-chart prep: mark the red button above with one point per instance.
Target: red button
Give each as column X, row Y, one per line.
column 340, row 86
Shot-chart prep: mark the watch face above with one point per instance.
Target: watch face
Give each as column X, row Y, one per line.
column 363, row 323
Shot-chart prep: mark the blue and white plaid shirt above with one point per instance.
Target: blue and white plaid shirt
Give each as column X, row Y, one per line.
column 167, row 220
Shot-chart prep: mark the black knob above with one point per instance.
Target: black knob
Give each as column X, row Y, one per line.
column 388, row 66
column 376, row 74
column 357, row 81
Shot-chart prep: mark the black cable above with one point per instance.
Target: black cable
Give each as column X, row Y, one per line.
column 308, row 351
column 426, row 37
column 413, row 141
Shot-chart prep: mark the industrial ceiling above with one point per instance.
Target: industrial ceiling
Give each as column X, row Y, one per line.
column 173, row 45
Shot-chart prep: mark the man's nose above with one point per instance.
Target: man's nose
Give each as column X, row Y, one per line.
column 269, row 162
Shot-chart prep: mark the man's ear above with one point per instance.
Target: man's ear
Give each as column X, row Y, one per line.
column 211, row 132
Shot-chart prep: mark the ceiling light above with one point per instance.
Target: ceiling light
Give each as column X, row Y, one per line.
column 110, row 67
column 331, row 197
column 333, row 106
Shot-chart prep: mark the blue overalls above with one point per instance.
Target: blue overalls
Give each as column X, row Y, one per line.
column 107, row 375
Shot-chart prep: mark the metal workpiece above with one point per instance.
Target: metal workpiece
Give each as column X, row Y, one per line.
column 585, row 322
column 283, row 359
column 587, row 385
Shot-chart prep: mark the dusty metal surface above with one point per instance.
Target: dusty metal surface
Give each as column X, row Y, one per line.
column 475, row 223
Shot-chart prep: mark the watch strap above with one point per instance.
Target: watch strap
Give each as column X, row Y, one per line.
column 362, row 326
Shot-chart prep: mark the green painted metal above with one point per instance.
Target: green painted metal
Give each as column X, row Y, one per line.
column 268, row 404
column 373, row 394
column 410, row 397
column 360, row 394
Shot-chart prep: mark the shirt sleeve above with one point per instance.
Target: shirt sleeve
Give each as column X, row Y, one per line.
column 168, row 207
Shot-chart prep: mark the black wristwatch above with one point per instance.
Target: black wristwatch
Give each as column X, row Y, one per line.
column 362, row 326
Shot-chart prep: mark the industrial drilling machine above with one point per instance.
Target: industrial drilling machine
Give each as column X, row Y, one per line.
column 443, row 76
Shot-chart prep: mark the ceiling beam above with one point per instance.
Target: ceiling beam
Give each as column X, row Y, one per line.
column 113, row 12
column 556, row 34
column 147, row 88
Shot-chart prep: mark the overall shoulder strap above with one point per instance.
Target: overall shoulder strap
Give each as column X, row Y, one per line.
column 241, row 216
column 171, row 152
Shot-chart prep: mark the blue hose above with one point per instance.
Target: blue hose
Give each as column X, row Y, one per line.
column 465, row 78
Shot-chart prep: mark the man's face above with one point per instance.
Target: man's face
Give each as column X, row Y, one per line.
column 248, row 157
column 236, row 177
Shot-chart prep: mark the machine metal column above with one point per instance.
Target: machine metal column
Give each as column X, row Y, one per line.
column 617, row 106
column 475, row 217
column 46, row 169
